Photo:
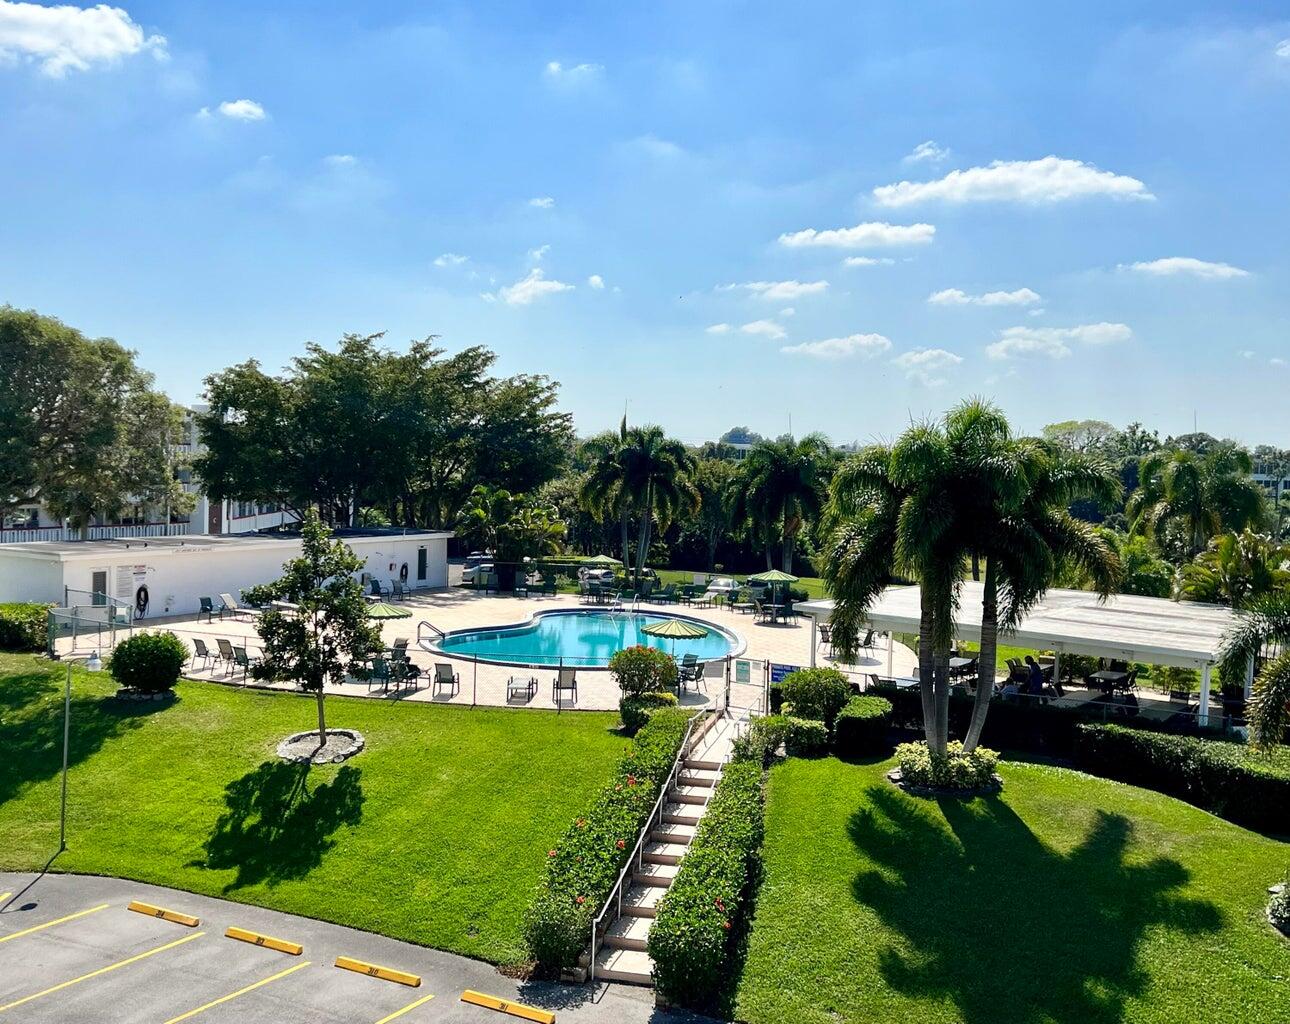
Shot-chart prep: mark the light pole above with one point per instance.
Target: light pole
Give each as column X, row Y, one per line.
column 93, row 663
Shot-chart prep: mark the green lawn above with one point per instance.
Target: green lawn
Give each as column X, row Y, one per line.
column 813, row 585
column 1066, row 900
column 436, row 833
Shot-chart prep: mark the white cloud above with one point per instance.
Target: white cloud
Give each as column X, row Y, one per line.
column 1283, row 49
column 1278, row 361
column 237, row 110
column 1049, row 180
column 788, row 311
column 67, row 38
column 340, row 160
column 958, row 297
column 868, row 261
column 766, row 328
column 1172, row 265
column 867, row 345
column 655, row 148
column 927, row 152
column 780, row 291
column 596, row 281
column 1054, row 342
column 927, row 365
column 862, row 236
column 1036, row 312
column 718, row 329
column 537, row 254
column 571, row 74
column 450, row 259
column 542, row 202
column 1247, row 354
column 527, row 289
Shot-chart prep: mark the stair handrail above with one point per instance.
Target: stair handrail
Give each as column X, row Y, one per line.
column 432, row 627
column 633, row 861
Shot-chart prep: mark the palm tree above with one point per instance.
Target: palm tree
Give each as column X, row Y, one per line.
column 1183, row 498
column 512, row 526
column 1265, row 627
column 603, row 493
column 655, row 480
column 1237, row 568
column 889, row 512
column 781, row 488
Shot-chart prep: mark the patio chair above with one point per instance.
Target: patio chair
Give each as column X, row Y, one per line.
column 374, row 587
column 741, row 602
column 228, row 606
column 379, row 673
column 243, row 660
column 200, row 650
column 226, row 654
column 566, row 681
column 760, row 612
column 405, row 671
column 207, row 608
column 445, row 676
column 692, row 673
column 398, row 592
column 400, row 648
column 490, row 583
column 869, row 637
column 667, row 595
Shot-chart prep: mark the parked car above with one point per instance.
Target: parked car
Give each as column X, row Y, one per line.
column 478, row 565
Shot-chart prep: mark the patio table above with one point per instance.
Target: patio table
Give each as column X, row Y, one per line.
column 1108, row 680
column 958, row 664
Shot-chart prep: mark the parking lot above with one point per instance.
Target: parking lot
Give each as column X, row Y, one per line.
column 72, row 953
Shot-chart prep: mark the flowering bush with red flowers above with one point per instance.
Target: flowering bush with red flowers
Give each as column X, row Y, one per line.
column 697, row 920
column 585, row 863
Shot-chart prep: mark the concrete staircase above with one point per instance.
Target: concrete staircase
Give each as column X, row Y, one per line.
column 622, row 954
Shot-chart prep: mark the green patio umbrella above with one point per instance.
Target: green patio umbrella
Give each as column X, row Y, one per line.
column 382, row 610
column 773, row 576
column 674, row 630
column 602, row 560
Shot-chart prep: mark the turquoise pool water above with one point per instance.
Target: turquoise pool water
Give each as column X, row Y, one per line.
column 580, row 639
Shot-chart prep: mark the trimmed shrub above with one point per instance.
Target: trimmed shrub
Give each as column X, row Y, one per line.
column 149, row 662
column 776, row 698
column 584, row 864
column 862, row 727
column 817, row 693
column 641, row 669
column 952, row 770
column 635, row 711
column 23, row 626
column 806, row 737
column 1229, row 779
column 761, row 743
column 693, row 934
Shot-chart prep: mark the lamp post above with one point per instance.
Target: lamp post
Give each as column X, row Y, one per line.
column 93, row 663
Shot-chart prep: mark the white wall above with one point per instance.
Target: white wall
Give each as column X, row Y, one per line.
column 30, row 579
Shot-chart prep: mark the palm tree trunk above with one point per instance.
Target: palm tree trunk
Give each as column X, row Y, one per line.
column 926, row 665
column 642, row 545
column 976, row 567
column 945, row 634
column 625, row 526
column 789, row 540
column 989, row 656
column 770, row 558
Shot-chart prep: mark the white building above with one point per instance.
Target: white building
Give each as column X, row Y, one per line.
column 169, row 575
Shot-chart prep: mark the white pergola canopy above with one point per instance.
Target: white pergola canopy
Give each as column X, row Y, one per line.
column 1148, row 629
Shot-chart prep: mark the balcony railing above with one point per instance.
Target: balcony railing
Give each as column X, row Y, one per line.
column 24, row 534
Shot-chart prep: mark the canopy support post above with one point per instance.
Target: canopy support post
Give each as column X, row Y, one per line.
column 1202, row 714
column 813, row 641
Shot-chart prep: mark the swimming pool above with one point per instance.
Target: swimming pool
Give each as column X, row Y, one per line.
column 583, row 639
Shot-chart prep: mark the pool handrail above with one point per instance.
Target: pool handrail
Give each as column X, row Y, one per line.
column 425, row 624
column 616, row 893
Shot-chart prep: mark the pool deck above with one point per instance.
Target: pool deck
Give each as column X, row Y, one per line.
column 485, row 683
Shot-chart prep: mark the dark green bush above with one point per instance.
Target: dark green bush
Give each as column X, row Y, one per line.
column 816, row 693
column 776, row 698
column 149, row 662
column 799, row 736
column 1228, row 779
column 583, row 866
column 951, row 770
column 23, row 626
column 642, row 669
column 862, row 727
column 635, row 711
column 691, row 939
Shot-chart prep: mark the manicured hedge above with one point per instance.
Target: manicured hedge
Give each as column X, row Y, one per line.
column 816, row 693
column 584, row 864
column 764, row 737
column 862, row 727
column 692, row 936
column 1229, row 779
column 23, row 627
column 635, row 711
column 148, row 662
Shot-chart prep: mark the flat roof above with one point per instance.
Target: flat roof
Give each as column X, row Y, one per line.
column 1149, row 629
column 65, row 550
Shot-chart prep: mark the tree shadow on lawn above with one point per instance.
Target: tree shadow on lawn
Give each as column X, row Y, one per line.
column 31, row 726
column 1011, row 930
column 276, row 828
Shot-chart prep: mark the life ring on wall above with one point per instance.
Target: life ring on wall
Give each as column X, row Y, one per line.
column 403, row 573
column 141, row 601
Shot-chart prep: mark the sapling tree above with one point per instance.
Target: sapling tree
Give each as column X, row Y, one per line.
column 330, row 631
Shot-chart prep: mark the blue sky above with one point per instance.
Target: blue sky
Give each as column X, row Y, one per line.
column 656, row 203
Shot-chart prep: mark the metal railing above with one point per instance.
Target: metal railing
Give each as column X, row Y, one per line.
column 615, row 897
column 425, row 624
column 27, row 534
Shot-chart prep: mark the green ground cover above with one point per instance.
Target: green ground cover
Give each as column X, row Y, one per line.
column 436, row 833
column 1065, row 900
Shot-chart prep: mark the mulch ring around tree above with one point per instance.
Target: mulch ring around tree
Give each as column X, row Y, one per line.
column 895, row 778
column 303, row 747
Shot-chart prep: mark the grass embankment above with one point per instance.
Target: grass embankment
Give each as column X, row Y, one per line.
column 435, row 834
column 1065, row 900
